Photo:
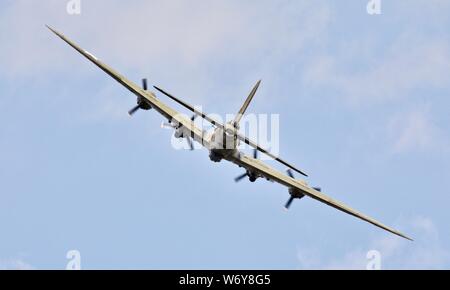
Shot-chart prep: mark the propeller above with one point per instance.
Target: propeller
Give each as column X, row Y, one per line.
column 187, row 136
column 289, row 202
column 144, row 84
column 171, row 125
column 295, row 193
column 290, row 173
column 252, row 177
column 190, row 143
column 141, row 102
column 240, row 177
column 134, row 110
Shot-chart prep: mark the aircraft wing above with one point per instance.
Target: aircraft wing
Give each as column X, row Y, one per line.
column 157, row 105
column 228, row 127
column 258, row 166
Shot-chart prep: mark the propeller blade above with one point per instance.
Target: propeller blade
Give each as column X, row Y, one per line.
column 289, row 202
column 189, row 141
column 240, row 177
column 134, row 110
column 290, row 173
column 144, row 84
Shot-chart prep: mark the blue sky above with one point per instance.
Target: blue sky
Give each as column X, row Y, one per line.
column 363, row 104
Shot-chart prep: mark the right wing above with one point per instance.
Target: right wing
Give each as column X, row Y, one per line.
column 229, row 127
column 272, row 174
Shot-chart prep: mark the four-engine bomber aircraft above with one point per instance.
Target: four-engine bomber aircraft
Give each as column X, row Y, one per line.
column 222, row 142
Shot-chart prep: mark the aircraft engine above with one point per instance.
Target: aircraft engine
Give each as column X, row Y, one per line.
column 142, row 103
column 296, row 193
column 215, row 157
column 180, row 132
column 251, row 176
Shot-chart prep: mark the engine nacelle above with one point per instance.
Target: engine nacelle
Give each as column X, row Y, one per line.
column 179, row 133
column 296, row 193
column 214, row 156
column 143, row 104
column 252, row 176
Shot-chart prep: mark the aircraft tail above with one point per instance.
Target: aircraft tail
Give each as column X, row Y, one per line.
column 244, row 107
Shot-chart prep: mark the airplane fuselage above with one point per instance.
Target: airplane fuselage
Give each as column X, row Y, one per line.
column 223, row 145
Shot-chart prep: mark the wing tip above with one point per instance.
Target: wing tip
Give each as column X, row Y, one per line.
column 49, row 27
column 406, row 237
column 397, row 233
column 53, row 30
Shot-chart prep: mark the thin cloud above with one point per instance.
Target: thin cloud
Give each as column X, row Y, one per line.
column 15, row 264
column 410, row 64
column 415, row 130
column 186, row 33
column 426, row 252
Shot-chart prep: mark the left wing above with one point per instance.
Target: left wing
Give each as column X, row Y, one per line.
column 258, row 166
column 172, row 115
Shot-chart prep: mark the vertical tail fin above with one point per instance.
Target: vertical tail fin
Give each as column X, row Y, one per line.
column 244, row 107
